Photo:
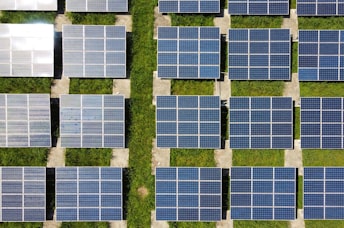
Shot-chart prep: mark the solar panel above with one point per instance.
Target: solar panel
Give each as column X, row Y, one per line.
column 259, row 54
column 94, row 51
column 267, row 193
column 25, row 120
column 321, row 55
column 92, row 121
column 258, row 7
column 190, row 6
column 26, row 50
column 23, row 194
column 89, row 194
column 189, row 52
column 320, row 8
column 261, row 122
column 188, row 121
column 36, row 5
column 188, row 194
column 322, row 123
column 323, row 193
column 97, row 5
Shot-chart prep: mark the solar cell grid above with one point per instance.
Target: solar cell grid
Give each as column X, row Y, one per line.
column 92, row 121
column 22, row 194
column 188, row 194
column 259, row 54
column 97, row 5
column 258, row 7
column 322, row 123
column 36, row 5
column 26, row 50
column 264, row 193
column 88, row 194
column 260, row 122
column 189, row 52
column 189, row 6
column 94, row 51
column 320, row 7
column 188, row 121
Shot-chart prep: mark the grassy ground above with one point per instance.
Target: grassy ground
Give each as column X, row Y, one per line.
column 191, row 20
column 323, row 157
column 321, row 89
column 320, row 22
column 256, row 21
column 257, row 88
column 192, row 87
column 88, row 157
column 85, row 225
column 21, row 224
column 300, row 192
column 27, row 17
column 25, row 85
column 92, row 18
column 259, row 224
column 297, row 123
column 294, row 60
column 192, row 157
column 90, row 86
column 192, row 224
column 23, row 156
column 258, row 157
column 322, row 224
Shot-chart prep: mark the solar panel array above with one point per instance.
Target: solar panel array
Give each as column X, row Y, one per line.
column 258, row 7
column 259, row 54
column 88, row 121
column 36, row 5
column 321, row 55
column 320, row 7
column 25, row 120
column 22, row 194
column 188, row 194
column 97, row 5
column 263, row 193
column 188, row 121
column 26, row 50
column 190, row 6
column 261, row 122
column 322, row 123
column 189, row 52
column 94, row 51
column 89, row 194
column 323, row 193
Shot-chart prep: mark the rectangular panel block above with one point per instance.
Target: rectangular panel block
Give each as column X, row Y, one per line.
column 29, row 5
column 261, row 7
column 189, row 6
column 320, row 8
column 97, row 6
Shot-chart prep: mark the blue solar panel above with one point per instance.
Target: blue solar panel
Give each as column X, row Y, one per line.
column 260, row 122
column 261, row 7
column 259, row 54
column 88, row 194
column 321, row 55
column 320, row 8
column 188, row 194
column 263, row 193
column 189, row 52
column 190, row 6
column 323, row 189
column 321, row 123
column 23, row 194
column 188, row 121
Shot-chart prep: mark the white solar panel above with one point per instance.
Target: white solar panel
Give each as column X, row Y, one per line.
column 97, row 5
column 28, row 5
column 26, row 50
column 25, row 120
column 94, row 51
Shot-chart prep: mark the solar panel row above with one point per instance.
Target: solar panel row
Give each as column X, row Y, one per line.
column 320, row 7
column 36, row 5
column 189, row 6
column 260, row 7
column 97, row 5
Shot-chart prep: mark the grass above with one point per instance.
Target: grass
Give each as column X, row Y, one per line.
column 23, row 156
column 296, row 123
column 257, row 88
column 88, row 157
column 324, row 223
column 256, row 21
column 21, row 224
column 259, row 224
column 293, row 4
column 320, row 22
column 321, row 89
column 25, row 85
column 92, row 18
column 192, row 20
column 192, row 224
column 294, row 60
column 300, row 192
column 192, row 87
column 85, row 225
column 192, row 157
column 323, row 157
column 27, row 17
column 258, row 157
column 90, row 86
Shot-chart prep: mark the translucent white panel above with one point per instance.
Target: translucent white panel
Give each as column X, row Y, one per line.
column 97, row 5
column 28, row 5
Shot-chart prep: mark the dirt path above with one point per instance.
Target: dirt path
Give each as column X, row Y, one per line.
column 293, row 158
column 223, row 22
column 160, row 157
column 228, row 223
column 299, row 222
column 222, row 88
column 126, row 21
column 158, row 224
column 292, row 89
column 60, row 20
column 292, row 24
column 161, row 87
column 56, row 156
column 223, row 157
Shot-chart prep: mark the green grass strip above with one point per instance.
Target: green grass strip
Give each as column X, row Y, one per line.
column 142, row 127
column 324, row 223
column 25, row 85
column 300, row 192
column 256, row 21
column 320, row 22
column 257, row 88
column 251, row 157
column 294, row 60
column 85, row 225
column 27, row 17
column 90, row 86
column 321, row 89
column 192, row 20
column 92, row 18
column 23, row 156
column 88, row 157
column 323, row 157
column 260, row 224
column 192, row 87
column 192, row 157
column 192, row 224
column 296, row 123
